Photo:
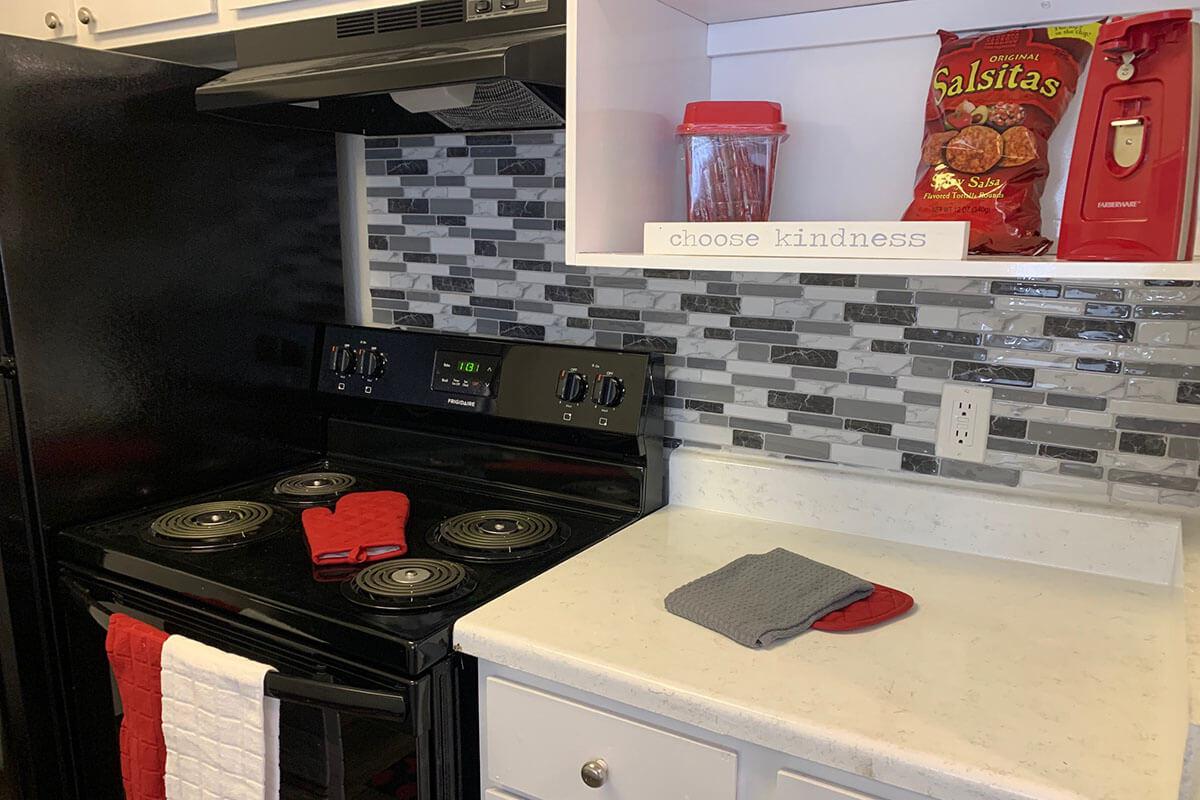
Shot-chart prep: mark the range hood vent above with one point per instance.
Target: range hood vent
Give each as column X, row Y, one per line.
column 404, row 18
column 383, row 72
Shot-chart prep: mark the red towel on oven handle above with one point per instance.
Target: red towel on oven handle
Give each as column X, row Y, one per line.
column 365, row 526
column 135, row 654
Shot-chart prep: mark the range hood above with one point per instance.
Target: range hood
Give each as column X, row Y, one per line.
column 425, row 67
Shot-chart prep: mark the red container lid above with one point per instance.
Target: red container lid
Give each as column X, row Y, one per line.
column 733, row 116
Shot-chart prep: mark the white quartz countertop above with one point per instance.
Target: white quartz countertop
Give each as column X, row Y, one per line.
column 1008, row 680
column 1191, row 574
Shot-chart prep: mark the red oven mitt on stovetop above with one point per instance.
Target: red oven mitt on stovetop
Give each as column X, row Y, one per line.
column 366, row 526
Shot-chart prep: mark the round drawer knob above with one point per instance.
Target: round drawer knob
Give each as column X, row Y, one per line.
column 595, row 773
column 85, row 15
column 53, row 22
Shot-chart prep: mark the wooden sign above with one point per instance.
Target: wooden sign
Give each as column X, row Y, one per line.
column 925, row 240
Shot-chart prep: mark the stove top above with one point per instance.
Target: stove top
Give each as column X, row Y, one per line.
column 243, row 550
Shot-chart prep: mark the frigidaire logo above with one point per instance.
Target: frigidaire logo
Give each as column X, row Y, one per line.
column 1119, row 204
column 454, row 401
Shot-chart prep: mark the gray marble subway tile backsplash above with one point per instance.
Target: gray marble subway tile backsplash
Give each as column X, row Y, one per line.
column 1097, row 386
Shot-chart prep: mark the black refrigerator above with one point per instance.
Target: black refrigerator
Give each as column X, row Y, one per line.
column 165, row 274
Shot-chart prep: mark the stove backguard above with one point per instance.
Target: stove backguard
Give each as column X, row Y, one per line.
column 503, row 465
column 578, row 422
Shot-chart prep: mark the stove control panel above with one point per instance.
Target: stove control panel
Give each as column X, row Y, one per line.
column 490, row 9
column 579, row 387
column 465, row 373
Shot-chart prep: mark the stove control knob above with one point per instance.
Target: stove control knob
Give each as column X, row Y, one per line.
column 343, row 360
column 609, row 391
column 371, row 364
column 572, row 387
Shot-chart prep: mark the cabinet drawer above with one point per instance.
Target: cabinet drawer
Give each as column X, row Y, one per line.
column 496, row 794
column 537, row 744
column 793, row 786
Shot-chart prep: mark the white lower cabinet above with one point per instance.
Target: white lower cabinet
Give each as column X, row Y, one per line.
column 551, row 748
column 793, row 786
column 541, row 740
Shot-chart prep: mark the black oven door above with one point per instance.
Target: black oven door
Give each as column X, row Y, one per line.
column 346, row 733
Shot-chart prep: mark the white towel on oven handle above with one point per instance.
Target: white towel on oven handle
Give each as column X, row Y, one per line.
column 221, row 730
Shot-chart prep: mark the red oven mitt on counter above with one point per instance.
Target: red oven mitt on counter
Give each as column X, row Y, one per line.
column 881, row 605
column 135, row 654
column 366, row 526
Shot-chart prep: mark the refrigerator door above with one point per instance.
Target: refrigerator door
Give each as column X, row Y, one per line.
column 166, row 273
column 29, row 714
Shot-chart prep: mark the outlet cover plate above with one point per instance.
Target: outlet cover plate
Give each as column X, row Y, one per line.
column 964, row 422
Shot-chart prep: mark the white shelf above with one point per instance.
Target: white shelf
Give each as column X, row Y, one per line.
column 1044, row 267
column 712, row 11
column 633, row 65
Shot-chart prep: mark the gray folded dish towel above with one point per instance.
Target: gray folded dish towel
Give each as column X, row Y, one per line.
column 759, row 599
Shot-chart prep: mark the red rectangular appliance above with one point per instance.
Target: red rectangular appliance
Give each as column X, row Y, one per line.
column 1131, row 191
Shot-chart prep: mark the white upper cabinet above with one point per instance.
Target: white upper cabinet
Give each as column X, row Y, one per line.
column 52, row 19
column 118, row 24
column 108, row 16
column 238, row 5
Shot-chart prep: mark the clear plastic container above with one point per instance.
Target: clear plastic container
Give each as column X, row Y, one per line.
column 730, row 149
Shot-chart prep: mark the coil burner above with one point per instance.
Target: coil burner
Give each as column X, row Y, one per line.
column 497, row 535
column 312, row 488
column 217, row 526
column 409, row 583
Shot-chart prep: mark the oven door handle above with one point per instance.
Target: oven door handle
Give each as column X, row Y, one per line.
column 332, row 697
column 328, row 696
column 86, row 601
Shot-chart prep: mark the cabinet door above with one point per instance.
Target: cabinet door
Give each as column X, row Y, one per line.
column 38, row 19
column 237, row 5
column 117, row 15
column 541, row 745
column 793, row 786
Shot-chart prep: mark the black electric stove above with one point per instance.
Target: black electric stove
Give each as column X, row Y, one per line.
column 242, row 550
column 513, row 456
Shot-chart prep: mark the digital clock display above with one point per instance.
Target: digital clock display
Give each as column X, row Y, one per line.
column 465, row 373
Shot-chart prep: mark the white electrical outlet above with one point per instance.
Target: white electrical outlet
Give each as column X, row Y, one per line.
column 964, row 422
